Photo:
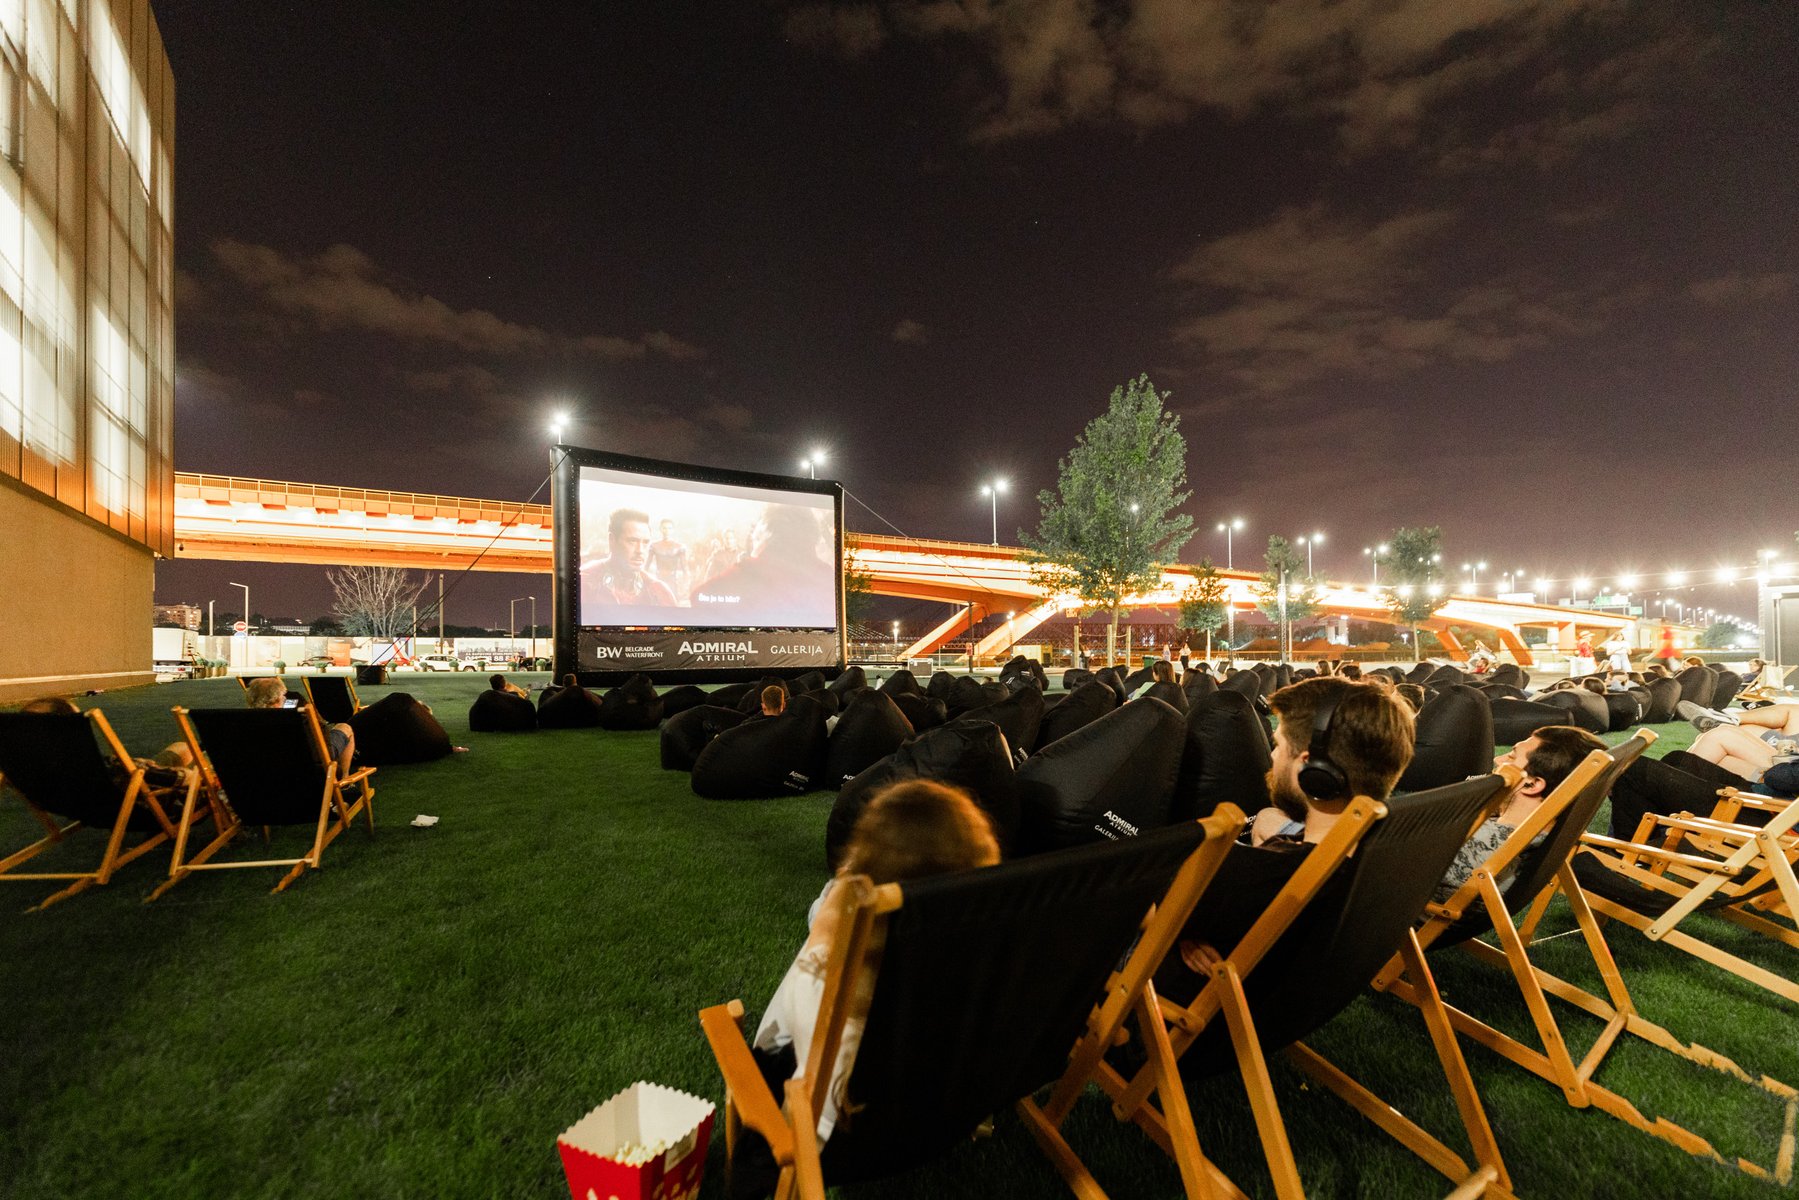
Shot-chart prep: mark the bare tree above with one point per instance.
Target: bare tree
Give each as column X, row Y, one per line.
column 375, row 601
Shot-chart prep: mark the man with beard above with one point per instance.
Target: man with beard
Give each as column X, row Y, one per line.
column 1367, row 732
column 620, row 578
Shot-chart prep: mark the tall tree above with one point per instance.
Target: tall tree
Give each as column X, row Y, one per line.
column 374, row 601
column 1112, row 522
column 1285, row 593
column 1203, row 604
column 858, row 585
column 1414, row 564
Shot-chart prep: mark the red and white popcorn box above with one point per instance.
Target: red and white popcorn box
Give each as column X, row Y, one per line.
column 646, row 1143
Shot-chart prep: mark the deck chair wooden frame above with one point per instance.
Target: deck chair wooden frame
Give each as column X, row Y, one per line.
column 349, row 686
column 789, row 1124
column 335, row 813
column 1741, row 873
column 134, row 795
column 1552, row 1059
column 1170, row 1030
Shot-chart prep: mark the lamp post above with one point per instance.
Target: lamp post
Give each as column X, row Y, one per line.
column 896, row 639
column 992, row 491
column 1227, row 528
column 1373, row 554
column 512, row 622
column 812, row 462
column 1309, row 543
column 246, row 588
column 1474, row 569
column 534, row 627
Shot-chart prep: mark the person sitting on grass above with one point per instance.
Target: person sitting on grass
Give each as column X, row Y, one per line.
column 1546, row 757
column 340, row 739
column 913, row 829
column 166, row 768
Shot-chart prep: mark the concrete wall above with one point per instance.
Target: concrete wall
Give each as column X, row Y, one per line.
column 74, row 599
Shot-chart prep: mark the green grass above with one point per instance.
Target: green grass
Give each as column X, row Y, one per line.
column 422, row 1017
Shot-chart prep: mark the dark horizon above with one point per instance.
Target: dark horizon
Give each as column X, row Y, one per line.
column 1524, row 271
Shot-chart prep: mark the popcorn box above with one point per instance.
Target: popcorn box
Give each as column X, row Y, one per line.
column 646, row 1143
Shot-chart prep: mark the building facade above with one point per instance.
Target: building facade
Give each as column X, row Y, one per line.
column 87, row 340
column 183, row 616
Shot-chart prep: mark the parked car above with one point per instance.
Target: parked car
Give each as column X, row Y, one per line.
column 441, row 662
column 319, row 662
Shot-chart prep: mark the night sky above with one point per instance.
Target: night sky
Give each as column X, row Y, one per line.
column 1528, row 271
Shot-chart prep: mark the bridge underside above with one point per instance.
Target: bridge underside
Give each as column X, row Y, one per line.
column 260, row 520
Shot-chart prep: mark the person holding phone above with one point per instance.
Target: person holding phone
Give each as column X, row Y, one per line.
column 340, row 739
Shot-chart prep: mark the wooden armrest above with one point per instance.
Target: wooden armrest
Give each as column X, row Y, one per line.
column 809, row 1176
column 1707, row 826
column 756, row 1105
column 358, row 775
column 1655, row 852
column 1757, row 800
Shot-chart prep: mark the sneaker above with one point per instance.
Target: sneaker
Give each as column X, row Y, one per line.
column 1703, row 718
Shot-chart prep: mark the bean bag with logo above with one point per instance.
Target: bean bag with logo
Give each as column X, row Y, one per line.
column 1110, row 779
column 870, row 728
column 765, row 756
column 970, row 754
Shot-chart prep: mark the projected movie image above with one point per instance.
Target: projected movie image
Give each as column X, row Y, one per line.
column 678, row 553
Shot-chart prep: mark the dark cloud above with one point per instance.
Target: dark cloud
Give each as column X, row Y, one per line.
column 911, row 333
column 1738, row 287
column 849, row 30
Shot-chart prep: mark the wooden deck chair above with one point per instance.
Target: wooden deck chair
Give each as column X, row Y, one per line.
column 1349, row 907
column 268, row 766
column 54, row 762
column 334, row 696
column 1710, row 864
column 1481, row 906
column 986, row 981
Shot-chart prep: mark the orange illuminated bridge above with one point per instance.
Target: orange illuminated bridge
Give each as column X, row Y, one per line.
column 265, row 520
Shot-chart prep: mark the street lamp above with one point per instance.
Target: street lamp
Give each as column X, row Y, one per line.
column 1308, row 543
column 813, row 461
column 534, row 627
column 1373, row 553
column 512, row 621
column 557, row 424
column 1227, row 528
column 246, row 588
column 896, row 638
column 992, row 491
column 1474, row 569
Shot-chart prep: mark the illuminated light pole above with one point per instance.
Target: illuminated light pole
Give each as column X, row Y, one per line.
column 1373, row 553
column 813, row 461
column 992, row 492
column 534, row 627
column 512, row 621
column 896, row 639
column 558, row 423
column 1309, row 543
column 1227, row 528
column 246, row 588
column 1474, row 569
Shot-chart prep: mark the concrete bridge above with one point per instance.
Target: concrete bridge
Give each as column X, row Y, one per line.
column 266, row 520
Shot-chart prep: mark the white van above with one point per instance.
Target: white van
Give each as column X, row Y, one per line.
column 441, row 662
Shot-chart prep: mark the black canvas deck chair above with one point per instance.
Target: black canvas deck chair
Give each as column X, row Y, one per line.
column 266, row 767
column 1675, row 866
column 1481, row 907
column 992, row 984
column 334, row 696
column 1345, row 911
column 53, row 761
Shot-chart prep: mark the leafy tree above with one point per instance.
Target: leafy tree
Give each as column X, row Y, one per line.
column 325, row 627
column 1202, row 607
column 375, row 601
column 1414, row 577
column 1719, row 635
column 858, row 585
column 1112, row 521
column 1286, row 567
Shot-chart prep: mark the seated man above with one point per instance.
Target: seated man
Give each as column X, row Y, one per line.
column 1369, row 738
column 340, row 739
column 1546, row 757
column 774, row 700
column 500, row 683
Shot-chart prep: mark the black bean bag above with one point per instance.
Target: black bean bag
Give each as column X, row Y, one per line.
column 1445, row 675
column 811, row 681
column 1283, row 676
column 1169, row 694
column 633, row 704
column 1268, row 680
column 751, row 702
column 1225, row 755
column 1510, row 674
column 1243, row 683
column 940, row 685
column 1198, row 684
column 966, row 693
column 678, row 700
column 399, row 729
column 1515, row 720
column 1697, row 684
column 1624, row 709
column 767, row 756
column 870, row 728
column 369, row 676
column 1645, row 700
column 1454, row 740
column 1420, row 673
column 830, row 701
column 1137, row 679
column 1585, row 710
column 1074, row 677
column 1496, row 691
column 921, row 710
column 1110, row 779
column 729, row 696
column 1083, row 706
column 1019, row 716
column 691, row 730
column 1113, row 678
column 1665, row 694
column 501, row 712
column 1020, row 667
column 970, row 754
column 901, row 683
column 1729, row 683
column 849, row 679
column 569, row 708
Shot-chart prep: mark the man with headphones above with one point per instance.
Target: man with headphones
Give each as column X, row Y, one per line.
column 1337, row 739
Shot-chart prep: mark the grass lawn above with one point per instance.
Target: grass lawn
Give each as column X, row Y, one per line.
column 422, row 1017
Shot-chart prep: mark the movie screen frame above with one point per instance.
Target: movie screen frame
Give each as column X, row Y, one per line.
column 667, row 652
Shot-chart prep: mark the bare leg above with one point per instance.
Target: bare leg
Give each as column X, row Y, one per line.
column 348, row 752
column 1784, row 717
column 1735, row 750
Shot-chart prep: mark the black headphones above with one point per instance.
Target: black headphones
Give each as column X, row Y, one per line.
column 1321, row 778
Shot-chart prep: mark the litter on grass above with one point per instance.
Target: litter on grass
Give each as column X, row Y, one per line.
column 424, row 822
